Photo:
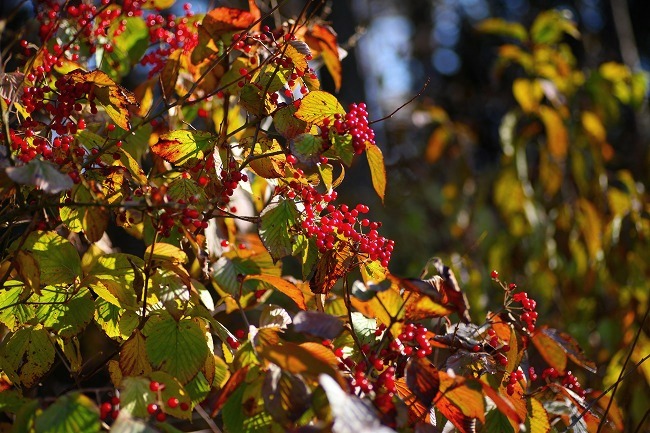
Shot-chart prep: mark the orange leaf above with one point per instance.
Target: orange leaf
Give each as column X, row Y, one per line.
column 556, row 135
column 556, row 346
column 284, row 286
column 417, row 411
column 298, row 360
column 503, row 405
column 115, row 99
column 233, row 383
column 461, row 402
column 223, row 20
column 323, row 39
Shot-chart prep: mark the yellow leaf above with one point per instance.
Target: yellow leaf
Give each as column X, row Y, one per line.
column 528, row 94
column 436, row 144
column 537, row 420
column 593, row 126
column 591, row 227
column 317, row 106
column 377, row 169
column 284, row 286
column 556, row 134
column 165, row 252
column 323, row 39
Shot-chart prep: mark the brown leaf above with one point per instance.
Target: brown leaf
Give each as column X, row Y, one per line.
column 223, row 20
column 169, row 74
column 333, row 265
column 231, row 385
column 556, row 346
column 133, row 356
column 422, row 378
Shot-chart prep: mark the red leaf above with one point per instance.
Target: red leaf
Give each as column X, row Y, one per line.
column 223, row 20
column 423, row 379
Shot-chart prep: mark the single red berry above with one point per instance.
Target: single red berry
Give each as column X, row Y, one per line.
column 115, row 413
column 240, row 333
column 494, row 274
column 172, row 402
column 185, row 406
column 155, row 386
column 161, row 417
column 115, row 401
column 152, row 408
column 106, row 407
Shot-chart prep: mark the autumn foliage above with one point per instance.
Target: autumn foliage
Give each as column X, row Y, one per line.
column 222, row 162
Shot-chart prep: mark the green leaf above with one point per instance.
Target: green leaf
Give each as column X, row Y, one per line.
column 72, row 413
column 178, row 348
column 112, row 278
column 92, row 220
column 133, row 356
column 278, row 228
column 317, row 106
column 116, row 322
column 135, row 395
column 186, row 189
column 13, row 312
column 496, row 421
column 227, row 269
column 341, row 148
column 133, row 41
column 287, row 124
column 65, row 313
column 307, row 147
column 11, row 400
column 237, row 420
column 377, row 169
column 550, row 26
column 173, row 388
column 27, row 355
column 184, row 147
column 57, row 258
column 198, row 388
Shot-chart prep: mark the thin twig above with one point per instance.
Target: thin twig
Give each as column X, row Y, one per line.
column 417, row 95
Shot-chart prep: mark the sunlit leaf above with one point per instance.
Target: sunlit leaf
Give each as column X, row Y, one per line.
column 461, row 402
column 332, row 266
column 377, row 170
column 222, row 20
column 169, row 74
column 184, row 147
column 57, row 258
column 317, row 106
column 176, row 347
column 537, row 420
column 278, row 228
column 115, row 99
column 173, row 388
column 27, row 355
column 341, row 148
column 13, row 312
column 307, row 147
column 286, row 396
column 135, row 395
column 165, row 252
column 72, row 412
column 270, row 166
column 92, row 220
column 28, row 270
column 113, row 277
column 282, row 285
column 65, row 313
column 590, row 224
column 296, row 360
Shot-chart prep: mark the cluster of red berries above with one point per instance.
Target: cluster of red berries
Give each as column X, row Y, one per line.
column 330, row 224
column 171, row 33
column 355, row 123
column 412, row 341
column 529, row 316
column 157, row 409
column 515, row 376
column 110, row 409
column 230, row 178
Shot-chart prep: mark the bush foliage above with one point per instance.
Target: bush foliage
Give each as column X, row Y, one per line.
column 225, row 161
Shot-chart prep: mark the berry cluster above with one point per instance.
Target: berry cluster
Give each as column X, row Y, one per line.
column 412, row 340
column 500, row 350
column 171, row 33
column 355, row 123
column 110, row 409
column 330, row 224
column 515, row 376
column 529, row 316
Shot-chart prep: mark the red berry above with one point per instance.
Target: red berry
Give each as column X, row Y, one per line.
column 185, row 406
column 152, row 408
column 161, row 417
column 172, row 402
column 106, row 407
column 494, row 274
column 240, row 333
column 115, row 401
column 155, row 386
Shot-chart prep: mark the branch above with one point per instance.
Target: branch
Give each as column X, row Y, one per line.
column 417, row 95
